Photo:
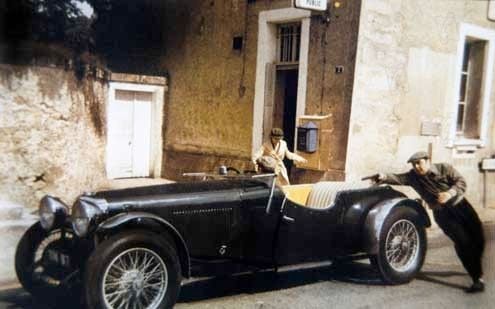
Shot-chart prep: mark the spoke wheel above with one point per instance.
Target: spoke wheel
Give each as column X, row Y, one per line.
column 134, row 269
column 402, row 245
column 136, row 278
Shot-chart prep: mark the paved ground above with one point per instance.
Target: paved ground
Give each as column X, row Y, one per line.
column 439, row 285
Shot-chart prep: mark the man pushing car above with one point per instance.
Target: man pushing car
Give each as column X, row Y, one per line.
column 443, row 188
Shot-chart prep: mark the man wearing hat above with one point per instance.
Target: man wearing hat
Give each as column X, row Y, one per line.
column 270, row 156
column 442, row 187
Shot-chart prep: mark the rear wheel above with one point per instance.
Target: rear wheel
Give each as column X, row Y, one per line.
column 136, row 269
column 402, row 246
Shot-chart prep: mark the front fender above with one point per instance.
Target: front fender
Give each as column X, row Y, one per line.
column 377, row 215
column 150, row 220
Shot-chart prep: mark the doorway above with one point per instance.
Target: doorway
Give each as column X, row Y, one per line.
column 135, row 116
column 285, row 105
column 268, row 62
column 129, row 134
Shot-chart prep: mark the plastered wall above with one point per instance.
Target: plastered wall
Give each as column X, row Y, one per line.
column 405, row 71
column 52, row 133
column 209, row 116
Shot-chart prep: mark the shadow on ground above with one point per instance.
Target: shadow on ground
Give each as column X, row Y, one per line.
column 438, row 277
column 250, row 283
column 267, row 281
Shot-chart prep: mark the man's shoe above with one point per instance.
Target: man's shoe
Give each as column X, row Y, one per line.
column 476, row 287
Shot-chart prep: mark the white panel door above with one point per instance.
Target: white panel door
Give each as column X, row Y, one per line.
column 129, row 134
column 141, row 144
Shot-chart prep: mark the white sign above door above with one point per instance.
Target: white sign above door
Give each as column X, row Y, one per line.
column 316, row 5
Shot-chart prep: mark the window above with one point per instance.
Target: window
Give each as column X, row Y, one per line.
column 288, row 43
column 474, row 81
column 468, row 111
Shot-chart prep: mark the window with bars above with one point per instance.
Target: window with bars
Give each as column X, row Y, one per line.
column 470, row 91
column 288, row 43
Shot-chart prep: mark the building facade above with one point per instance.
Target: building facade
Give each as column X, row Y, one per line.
column 424, row 81
column 388, row 75
column 380, row 79
column 237, row 68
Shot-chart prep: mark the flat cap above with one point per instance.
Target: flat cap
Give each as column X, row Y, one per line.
column 277, row 132
column 418, row 155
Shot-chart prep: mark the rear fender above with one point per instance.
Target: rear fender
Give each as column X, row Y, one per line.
column 153, row 222
column 377, row 215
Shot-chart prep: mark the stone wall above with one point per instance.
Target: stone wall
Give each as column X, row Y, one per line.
column 52, row 134
column 209, row 116
column 405, row 70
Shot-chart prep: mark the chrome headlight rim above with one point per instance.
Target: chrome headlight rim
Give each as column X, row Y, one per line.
column 80, row 225
column 83, row 215
column 52, row 212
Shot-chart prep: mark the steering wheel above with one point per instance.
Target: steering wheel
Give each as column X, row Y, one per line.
column 233, row 169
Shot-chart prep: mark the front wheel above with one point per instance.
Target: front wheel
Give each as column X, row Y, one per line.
column 402, row 246
column 136, row 269
column 34, row 265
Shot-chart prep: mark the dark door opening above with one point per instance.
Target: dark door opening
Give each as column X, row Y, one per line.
column 285, row 103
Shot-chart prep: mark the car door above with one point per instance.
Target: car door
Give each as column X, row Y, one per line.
column 259, row 227
column 305, row 234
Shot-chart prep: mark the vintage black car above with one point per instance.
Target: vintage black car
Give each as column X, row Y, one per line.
column 131, row 248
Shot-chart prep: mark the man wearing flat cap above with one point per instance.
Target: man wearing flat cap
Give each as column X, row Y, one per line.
column 442, row 187
column 270, row 157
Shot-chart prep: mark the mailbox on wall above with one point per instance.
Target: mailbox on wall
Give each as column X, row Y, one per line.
column 307, row 137
column 313, row 141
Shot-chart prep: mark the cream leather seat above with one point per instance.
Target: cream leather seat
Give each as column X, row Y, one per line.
column 323, row 193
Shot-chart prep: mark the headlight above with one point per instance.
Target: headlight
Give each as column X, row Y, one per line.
column 83, row 213
column 52, row 212
column 80, row 226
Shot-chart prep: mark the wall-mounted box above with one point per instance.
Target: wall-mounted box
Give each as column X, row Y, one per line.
column 307, row 137
column 488, row 164
column 318, row 159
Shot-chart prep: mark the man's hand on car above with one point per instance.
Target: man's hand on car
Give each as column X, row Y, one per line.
column 380, row 177
column 375, row 178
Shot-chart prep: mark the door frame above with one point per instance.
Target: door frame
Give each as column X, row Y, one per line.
column 156, row 132
column 266, row 54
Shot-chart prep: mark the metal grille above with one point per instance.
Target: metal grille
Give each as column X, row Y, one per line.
column 289, row 41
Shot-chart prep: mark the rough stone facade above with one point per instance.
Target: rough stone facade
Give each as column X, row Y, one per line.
column 52, row 134
column 405, row 71
column 209, row 116
column 52, row 141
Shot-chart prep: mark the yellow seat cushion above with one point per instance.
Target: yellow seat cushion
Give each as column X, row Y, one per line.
column 298, row 193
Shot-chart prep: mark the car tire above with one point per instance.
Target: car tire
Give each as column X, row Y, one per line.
column 28, row 263
column 131, row 263
column 402, row 246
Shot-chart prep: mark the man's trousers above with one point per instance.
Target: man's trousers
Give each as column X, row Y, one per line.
column 461, row 223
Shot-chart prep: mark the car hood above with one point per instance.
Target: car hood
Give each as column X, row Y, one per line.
column 178, row 189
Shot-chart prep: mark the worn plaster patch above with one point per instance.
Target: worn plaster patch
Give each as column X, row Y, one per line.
column 12, row 76
column 51, row 83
